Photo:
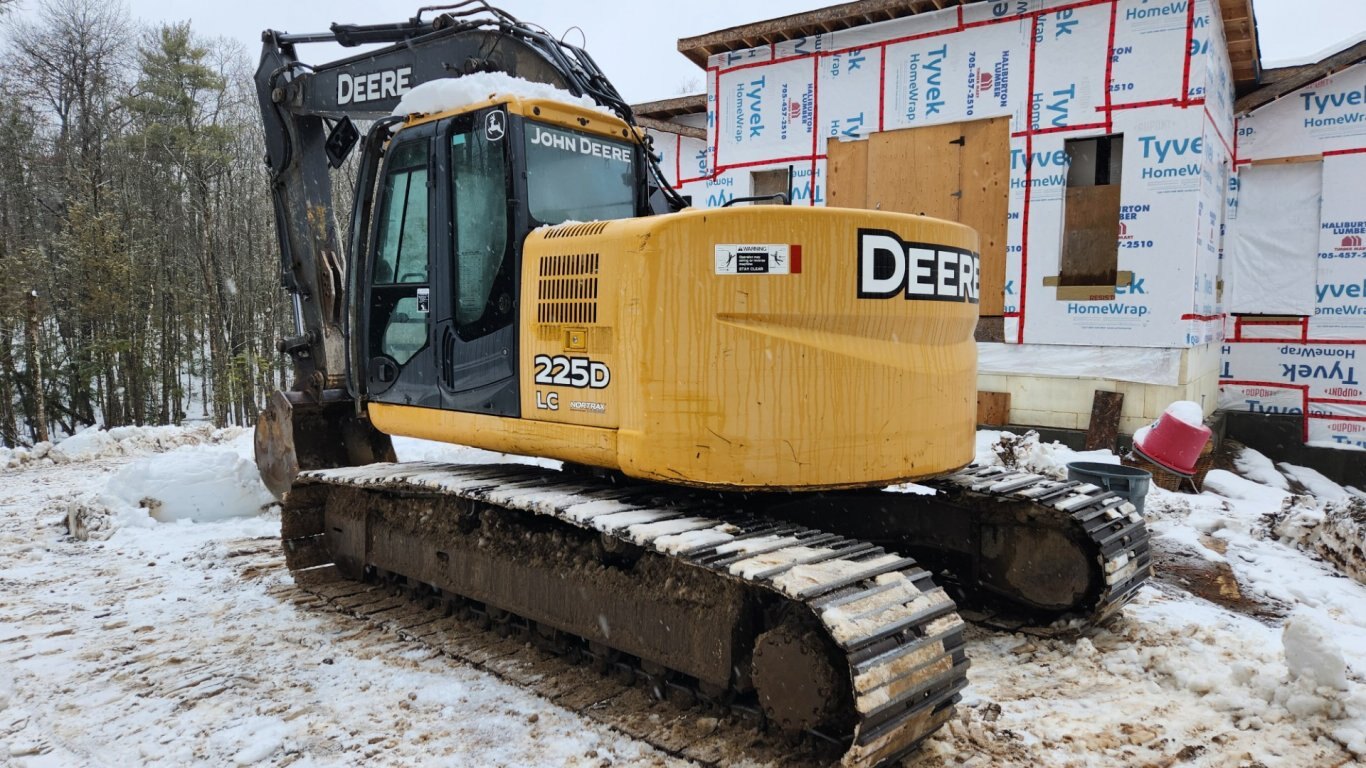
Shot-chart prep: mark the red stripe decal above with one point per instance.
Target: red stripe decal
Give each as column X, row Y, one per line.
column 1190, row 38
column 1029, row 182
column 1109, row 66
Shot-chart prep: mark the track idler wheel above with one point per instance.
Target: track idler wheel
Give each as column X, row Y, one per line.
column 795, row 672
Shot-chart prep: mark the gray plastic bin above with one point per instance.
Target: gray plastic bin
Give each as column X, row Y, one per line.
column 1129, row 482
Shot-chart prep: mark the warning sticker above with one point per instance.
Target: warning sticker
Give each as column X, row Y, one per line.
column 735, row 259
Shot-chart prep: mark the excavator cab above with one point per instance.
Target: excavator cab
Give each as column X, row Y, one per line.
column 420, row 308
column 439, row 272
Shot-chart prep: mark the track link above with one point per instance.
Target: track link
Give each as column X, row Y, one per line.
column 722, row 602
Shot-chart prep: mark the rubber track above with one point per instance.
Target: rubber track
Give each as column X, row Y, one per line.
column 900, row 634
column 1112, row 524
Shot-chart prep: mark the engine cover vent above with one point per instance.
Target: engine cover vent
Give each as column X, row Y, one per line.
column 577, row 230
column 567, row 293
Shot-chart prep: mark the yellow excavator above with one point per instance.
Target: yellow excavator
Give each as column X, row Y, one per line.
column 730, row 393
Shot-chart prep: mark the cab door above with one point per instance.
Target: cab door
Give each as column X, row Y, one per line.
column 401, row 364
column 476, row 333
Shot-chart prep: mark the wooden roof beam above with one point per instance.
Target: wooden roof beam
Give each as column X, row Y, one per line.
column 665, row 126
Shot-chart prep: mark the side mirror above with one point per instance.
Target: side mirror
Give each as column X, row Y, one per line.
column 340, row 141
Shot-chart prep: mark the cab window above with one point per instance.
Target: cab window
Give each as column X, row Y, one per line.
column 402, row 256
column 483, row 267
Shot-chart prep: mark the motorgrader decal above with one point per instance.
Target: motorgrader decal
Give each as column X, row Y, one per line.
column 888, row 266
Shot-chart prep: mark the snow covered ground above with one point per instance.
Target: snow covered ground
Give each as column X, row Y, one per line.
column 162, row 636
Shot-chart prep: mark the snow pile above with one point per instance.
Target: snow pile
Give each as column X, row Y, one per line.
column 1297, row 522
column 1172, row 679
column 86, row 444
column 1342, row 537
column 1257, row 467
column 95, row 443
column 456, row 92
column 1026, row 452
column 1273, row 539
column 1314, row 482
column 1311, row 654
column 198, row 483
column 13, row 458
column 1329, row 521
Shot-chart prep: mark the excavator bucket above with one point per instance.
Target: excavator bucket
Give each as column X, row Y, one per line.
column 296, row 433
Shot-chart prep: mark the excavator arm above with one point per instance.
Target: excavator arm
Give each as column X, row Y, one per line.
column 309, row 114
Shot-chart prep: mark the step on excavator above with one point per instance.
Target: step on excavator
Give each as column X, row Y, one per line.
column 737, row 398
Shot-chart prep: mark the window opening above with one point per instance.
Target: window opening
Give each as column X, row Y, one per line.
column 778, row 182
column 1089, row 264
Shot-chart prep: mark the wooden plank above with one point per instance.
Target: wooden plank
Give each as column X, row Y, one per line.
column 846, row 164
column 1103, row 431
column 1123, row 278
column 1082, row 292
column 663, row 109
column 1285, row 160
column 916, row 170
column 985, row 205
column 993, row 409
column 664, row 126
column 1090, row 252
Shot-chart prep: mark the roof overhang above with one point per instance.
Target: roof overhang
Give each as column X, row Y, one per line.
column 1285, row 80
column 1240, row 35
column 659, row 115
column 665, row 109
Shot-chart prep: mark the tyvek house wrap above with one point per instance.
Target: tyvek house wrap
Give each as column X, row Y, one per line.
column 1058, row 70
column 1311, row 362
column 1165, row 84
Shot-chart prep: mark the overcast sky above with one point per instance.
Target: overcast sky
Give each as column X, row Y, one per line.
column 635, row 43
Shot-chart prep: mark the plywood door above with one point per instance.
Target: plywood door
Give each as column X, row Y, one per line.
column 916, row 170
column 958, row 171
column 846, row 167
column 1090, row 231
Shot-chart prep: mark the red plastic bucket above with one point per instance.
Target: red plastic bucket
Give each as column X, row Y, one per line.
column 1172, row 443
